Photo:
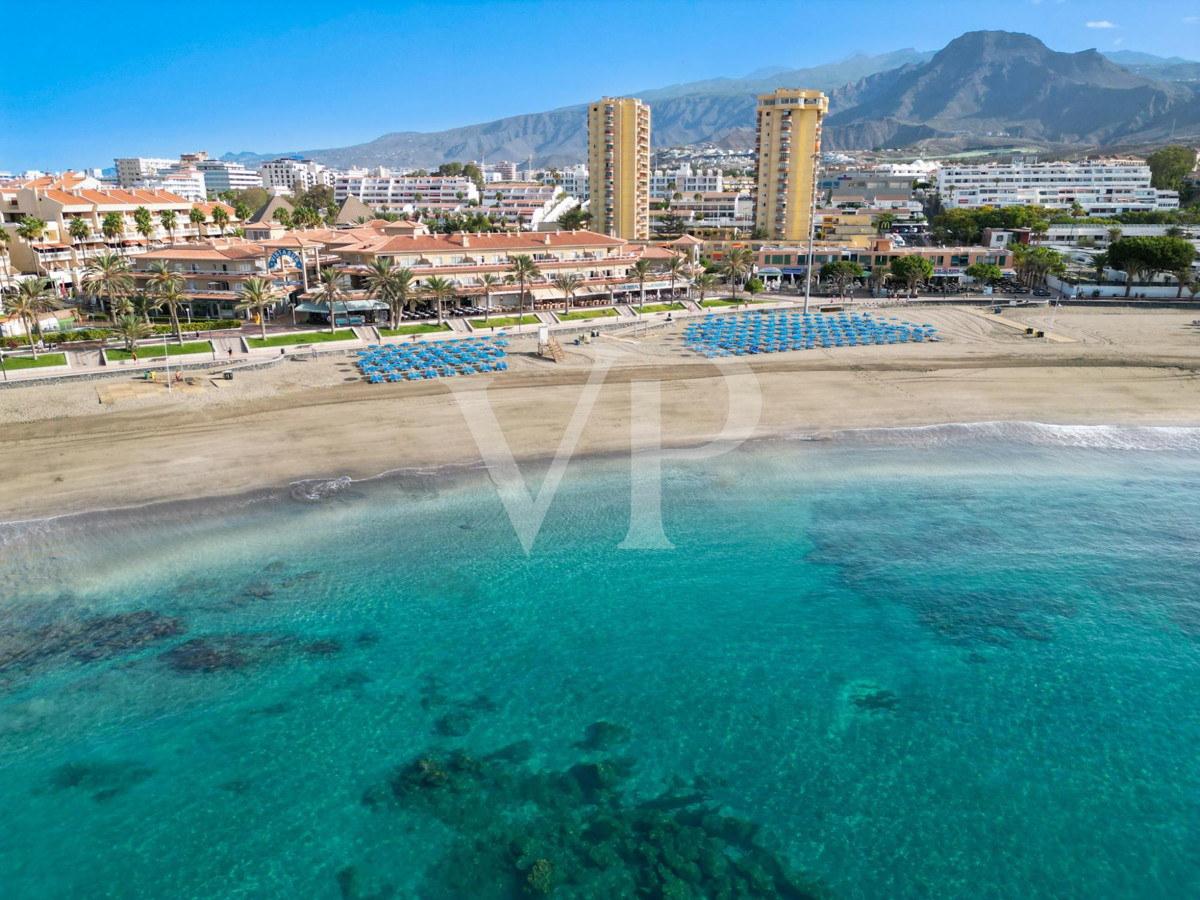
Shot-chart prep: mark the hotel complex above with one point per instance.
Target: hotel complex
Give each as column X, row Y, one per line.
column 619, row 167
column 787, row 146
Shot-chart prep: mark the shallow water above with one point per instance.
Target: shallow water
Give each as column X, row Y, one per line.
column 957, row 662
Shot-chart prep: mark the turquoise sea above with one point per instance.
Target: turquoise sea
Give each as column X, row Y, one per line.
column 956, row 662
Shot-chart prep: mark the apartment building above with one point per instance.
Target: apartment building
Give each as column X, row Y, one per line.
column 619, row 167
column 379, row 189
column 1103, row 187
column 574, row 180
column 507, row 171
column 214, row 272
column 789, row 261
column 220, row 176
column 686, row 181
column 601, row 261
column 292, row 173
column 102, row 219
column 787, row 148
column 135, row 168
column 717, row 209
column 186, row 183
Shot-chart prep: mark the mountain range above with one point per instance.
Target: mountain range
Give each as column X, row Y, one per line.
column 983, row 88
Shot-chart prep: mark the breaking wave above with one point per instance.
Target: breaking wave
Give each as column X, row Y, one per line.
column 1030, row 434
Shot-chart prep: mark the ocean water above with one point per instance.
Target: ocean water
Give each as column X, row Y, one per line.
column 950, row 662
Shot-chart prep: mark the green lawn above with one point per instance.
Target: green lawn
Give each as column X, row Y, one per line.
column 587, row 314
column 28, row 362
column 309, row 337
column 659, row 307
column 154, row 351
column 504, row 322
column 422, row 328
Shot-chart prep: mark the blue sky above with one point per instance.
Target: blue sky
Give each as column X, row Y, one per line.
column 88, row 82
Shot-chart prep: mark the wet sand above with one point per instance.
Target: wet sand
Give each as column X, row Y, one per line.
column 64, row 451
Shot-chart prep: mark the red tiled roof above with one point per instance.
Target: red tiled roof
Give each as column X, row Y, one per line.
column 495, row 242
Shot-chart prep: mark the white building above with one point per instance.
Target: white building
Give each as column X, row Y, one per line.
column 574, row 180
column 530, row 203
column 220, row 176
column 135, row 168
column 1103, row 187
column 686, row 181
column 506, row 170
column 400, row 193
column 294, row 174
column 185, row 183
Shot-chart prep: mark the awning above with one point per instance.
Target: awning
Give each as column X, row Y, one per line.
column 310, row 306
column 770, row 270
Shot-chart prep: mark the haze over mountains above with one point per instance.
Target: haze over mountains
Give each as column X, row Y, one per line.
column 985, row 87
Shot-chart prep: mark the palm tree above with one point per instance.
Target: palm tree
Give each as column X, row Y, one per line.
column 331, row 292
column 737, row 264
column 1114, row 234
column 172, row 299
column 440, row 289
column 33, row 298
column 78, row 229
column 569, row 286
column 705, row 282
column 384, row 283
column 257, row 297
column 220, row 218
column 1184, row 276
column 143, row 222
column 488, row 281
column 675, row 268
column 284, row 218
column 32, row 230
column 878, row 277
column 108, row 274
column 1173, row 231
column 131, row 329
column 112, row 226
column 522, row 269
column 165, row 286
column 169, row 222
column 4, row 240
column 641, row 270
column 197, row 217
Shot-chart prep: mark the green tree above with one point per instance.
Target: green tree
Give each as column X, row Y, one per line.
column 841, row 272
column 284, row 217
column 441, row 290
column 878, row 277
column 163, row 283
column 32, row 229
column 78, row 229
column 1147, row 256
column 107, row 273
column 257, row 298
column 489, row 282
column 220, row 218
column 676, row 268
column 575, row 219
column 1099, row 264
column 330, row 292
column 666, row 225
column 738, row 262
column 172, row 299
column 169, row 222
column 33, row 298
column 112, row 226
column 912, row 270
column 1169, row 166
column 197, row 217
column 754, row 286
column 985, row 273
column 143, row 222
column 1034, row 263
column 242, row 211
column 705, row 282
column 131, row 329
column 568, row 286
column 522, row 269
column 641, row 271
column 390, row 283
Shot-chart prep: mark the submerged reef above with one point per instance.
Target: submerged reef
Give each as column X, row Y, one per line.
column 574, row 833
column 24, row 650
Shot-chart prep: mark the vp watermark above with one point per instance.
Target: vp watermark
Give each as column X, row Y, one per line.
column 647, row 454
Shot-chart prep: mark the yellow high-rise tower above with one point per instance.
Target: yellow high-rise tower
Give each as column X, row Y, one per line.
column 787, row 146
column 619, row 167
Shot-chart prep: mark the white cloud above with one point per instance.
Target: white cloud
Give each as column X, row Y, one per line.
column 1101, row 25
column 1191, row 20
column 1117, row 42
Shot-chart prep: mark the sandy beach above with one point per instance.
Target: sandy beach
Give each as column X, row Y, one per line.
column 65, row 451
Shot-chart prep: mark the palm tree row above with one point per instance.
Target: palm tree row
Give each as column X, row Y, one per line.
column 33, row 298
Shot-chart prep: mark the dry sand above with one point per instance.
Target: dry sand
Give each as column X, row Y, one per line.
column 62, row 450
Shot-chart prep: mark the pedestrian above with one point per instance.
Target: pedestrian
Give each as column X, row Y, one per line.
column 231, row 353
column 135, row 356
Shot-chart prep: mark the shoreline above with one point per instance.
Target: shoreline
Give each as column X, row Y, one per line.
column 67, row 453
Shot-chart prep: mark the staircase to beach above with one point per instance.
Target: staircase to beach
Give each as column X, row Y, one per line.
column 555, row 350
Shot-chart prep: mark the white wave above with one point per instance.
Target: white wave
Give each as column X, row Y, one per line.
column 316, row 491
column 1032, row 434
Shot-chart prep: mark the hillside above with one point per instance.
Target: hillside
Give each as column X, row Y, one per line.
column 983, row 87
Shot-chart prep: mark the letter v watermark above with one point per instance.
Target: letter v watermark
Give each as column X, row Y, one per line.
column 524, row 511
